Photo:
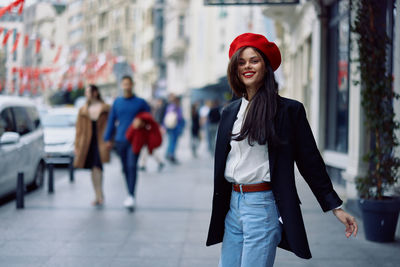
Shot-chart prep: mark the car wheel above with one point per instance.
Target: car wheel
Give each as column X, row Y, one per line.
column 39, row 176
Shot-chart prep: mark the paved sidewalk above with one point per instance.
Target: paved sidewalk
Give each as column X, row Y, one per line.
column 168, row 228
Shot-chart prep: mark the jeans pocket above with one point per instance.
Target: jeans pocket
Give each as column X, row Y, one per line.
column 258, row 199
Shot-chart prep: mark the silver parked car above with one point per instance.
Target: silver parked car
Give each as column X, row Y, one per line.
column 59, row 134
column 21, row 144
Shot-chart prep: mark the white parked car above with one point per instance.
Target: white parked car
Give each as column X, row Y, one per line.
column 59, row 134
column 21, row 144
column 80, row 102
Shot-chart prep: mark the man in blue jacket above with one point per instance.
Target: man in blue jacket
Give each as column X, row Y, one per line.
column 123, row 111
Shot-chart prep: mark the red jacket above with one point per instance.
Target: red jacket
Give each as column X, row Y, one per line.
column 149, row 135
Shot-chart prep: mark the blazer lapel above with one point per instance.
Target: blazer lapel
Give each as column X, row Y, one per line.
column 224, row 133
column 272, row 149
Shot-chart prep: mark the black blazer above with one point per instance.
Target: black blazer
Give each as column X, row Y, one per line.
column 299, row 146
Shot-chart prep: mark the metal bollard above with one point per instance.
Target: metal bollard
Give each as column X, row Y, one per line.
column 51, row 178
column 71, row 170
column 20, row 191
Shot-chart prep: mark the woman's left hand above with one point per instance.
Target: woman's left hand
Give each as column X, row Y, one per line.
column 348, row 220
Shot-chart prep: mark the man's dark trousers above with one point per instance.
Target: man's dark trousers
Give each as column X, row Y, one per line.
column 129, row 164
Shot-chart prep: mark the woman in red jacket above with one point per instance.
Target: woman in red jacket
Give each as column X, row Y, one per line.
column 144, row 131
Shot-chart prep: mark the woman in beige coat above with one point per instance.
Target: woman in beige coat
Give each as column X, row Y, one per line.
column 90, row 149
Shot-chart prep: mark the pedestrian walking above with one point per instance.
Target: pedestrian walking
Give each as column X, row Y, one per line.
column 213, row 119
column 90, row 150
column 158, row 111
column 203, row 112
column 144, row 131
column 174, row 123
column 144, row 156
column 260, row 137
column 195, row 129
column 123, row 111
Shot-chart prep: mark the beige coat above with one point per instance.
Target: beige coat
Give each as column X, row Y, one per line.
column 84, row 133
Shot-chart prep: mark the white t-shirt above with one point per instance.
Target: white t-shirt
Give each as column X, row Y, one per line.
column 246, row 164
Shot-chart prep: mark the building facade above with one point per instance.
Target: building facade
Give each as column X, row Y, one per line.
column 318, row 51
column 8, row 60
column 197, row 39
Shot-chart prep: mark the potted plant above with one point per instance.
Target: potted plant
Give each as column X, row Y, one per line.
column 379, row 210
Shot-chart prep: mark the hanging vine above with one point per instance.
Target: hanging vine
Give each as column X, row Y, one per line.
column 377, row 96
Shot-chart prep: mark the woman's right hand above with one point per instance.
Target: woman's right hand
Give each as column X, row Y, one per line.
column 348, row 220
column 138, row 123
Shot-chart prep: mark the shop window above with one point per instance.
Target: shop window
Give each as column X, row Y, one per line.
column 337, row 97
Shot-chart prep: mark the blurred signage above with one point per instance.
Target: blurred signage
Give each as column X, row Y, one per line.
column 250, row 2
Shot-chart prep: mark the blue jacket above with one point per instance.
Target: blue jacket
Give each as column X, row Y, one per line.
column 123, row 111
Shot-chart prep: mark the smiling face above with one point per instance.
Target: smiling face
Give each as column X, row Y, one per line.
column 251, row 68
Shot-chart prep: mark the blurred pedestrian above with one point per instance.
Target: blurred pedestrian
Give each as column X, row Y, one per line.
column 158, row 111
column 144, row 156
column 203, row 112
column 123, row 111
column 214, row 117
column 174, row 123
column 144, row 131
column 90, row 150
column 195, row 127
column 256, row 206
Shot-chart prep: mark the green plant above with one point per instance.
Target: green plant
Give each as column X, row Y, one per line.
column 377, row 96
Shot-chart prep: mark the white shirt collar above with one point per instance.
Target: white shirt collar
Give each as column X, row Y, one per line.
column 243, row 107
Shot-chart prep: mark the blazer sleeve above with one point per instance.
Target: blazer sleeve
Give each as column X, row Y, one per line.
column 311, row 165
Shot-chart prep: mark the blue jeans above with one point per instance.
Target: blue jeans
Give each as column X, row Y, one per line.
column 129, row 164
column 252, row 230
column 173, row 135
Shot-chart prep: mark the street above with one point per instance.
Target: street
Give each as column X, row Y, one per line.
column 168, row 228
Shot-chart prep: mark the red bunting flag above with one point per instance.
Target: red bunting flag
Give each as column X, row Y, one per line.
column 5, row 9
column 26, row 40
column 21, row 8
column 37, row 49
column 57, row 57
column 12, row 87
column 9, row 7
column 6, row 36
column 15, row 43
column 21, row 73
column 1, row 30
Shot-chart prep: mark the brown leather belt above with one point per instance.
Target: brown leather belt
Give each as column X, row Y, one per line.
column 253, row 187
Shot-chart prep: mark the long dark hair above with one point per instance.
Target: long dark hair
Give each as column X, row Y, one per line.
column 258, row 125
column 95, row 89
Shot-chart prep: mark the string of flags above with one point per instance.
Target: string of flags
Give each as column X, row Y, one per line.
column 71, row 68
column 6, row 36
column 16, row 4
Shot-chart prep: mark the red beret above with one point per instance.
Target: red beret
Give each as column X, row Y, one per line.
column 270, row 49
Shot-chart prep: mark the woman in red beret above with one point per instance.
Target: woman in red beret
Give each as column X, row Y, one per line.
column 256, row 207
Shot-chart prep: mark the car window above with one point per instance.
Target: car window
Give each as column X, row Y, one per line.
column 22, row 121
column 34, row 116
column 6, row 121
column 59, row 120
